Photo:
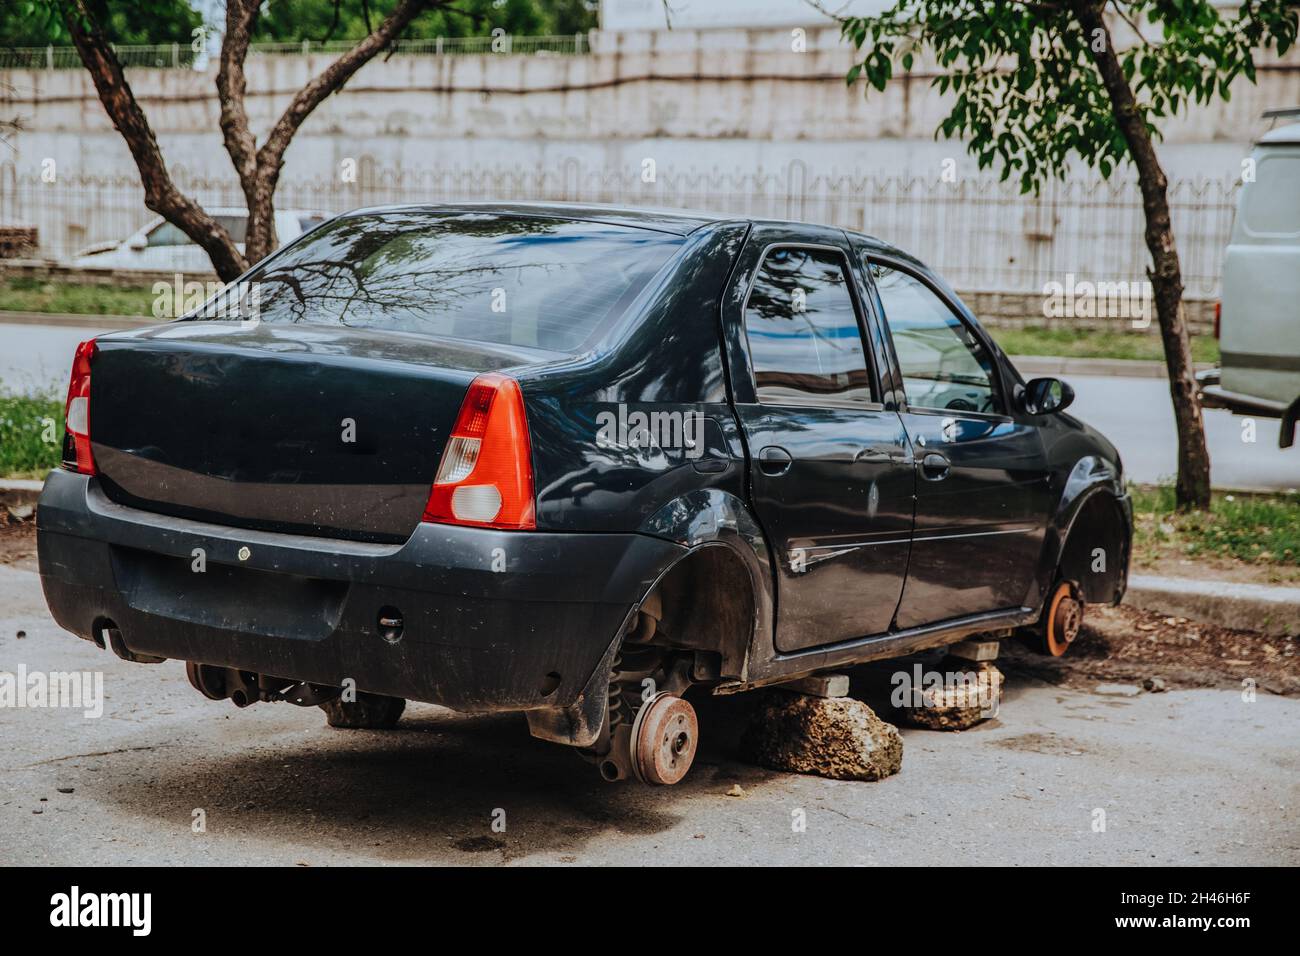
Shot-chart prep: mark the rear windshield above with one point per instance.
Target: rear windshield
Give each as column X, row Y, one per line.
column 508, row 280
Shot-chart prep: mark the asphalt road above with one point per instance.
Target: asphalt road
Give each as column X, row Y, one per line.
column 38, row 358
column 1138, row 417
column 1195, row 776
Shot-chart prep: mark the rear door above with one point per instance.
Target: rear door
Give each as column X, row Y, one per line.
column 831, row 478
column 982, row 493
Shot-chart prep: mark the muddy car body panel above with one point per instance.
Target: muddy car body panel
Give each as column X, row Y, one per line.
column 761, row 449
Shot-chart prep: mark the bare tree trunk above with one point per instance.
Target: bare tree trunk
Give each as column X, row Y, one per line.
column 160, row 193
column 1193, row 484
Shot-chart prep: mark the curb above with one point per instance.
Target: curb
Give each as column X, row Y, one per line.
column 21, row 484
column 1034, row 365
column 17, row 493
column 1250, row 607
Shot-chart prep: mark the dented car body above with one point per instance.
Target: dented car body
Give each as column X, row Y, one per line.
column 542, row 458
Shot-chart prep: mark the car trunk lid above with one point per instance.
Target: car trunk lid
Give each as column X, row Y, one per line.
column 313, row 430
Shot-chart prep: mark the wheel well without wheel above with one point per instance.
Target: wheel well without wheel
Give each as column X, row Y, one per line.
column 1095, row 555
column 705, row 602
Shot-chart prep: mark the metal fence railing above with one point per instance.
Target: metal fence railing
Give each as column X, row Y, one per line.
column 981, row 234
column 177, row 55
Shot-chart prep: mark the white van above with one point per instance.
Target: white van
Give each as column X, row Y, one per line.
column 162, row 247
column 1258, row 325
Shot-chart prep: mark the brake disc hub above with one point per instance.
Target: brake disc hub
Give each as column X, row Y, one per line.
column 664, row 739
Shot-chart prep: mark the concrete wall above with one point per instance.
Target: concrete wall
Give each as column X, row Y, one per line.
column 702, row 98
column 696, row 102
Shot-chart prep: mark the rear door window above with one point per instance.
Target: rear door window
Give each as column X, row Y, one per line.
column 508, row 280
column 805, row 344
column 1270, row 206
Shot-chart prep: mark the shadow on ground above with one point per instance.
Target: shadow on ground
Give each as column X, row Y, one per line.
column 423, row 792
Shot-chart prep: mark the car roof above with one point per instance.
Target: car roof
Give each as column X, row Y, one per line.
column 681, row 222
column 1289, row 134
column 241, row 211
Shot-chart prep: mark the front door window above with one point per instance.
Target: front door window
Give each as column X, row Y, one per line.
column 944, row 365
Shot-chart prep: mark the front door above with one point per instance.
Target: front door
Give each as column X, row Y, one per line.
column 831, row 474
column 982, row 492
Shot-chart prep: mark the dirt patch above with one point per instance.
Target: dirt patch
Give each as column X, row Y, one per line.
column 478, row 844
column 17, row 542
column 1052, row 744
column 1131, row 646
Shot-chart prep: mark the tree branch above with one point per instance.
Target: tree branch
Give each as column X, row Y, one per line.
column 1119, row 10
column 260, row 238
column 335, row 76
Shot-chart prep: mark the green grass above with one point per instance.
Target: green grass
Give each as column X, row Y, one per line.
column 35, row 295
column 1083, row 343
column 1256, row 529
column 25, row 424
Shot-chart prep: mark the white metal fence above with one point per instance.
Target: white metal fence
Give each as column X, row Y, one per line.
column 980, row 233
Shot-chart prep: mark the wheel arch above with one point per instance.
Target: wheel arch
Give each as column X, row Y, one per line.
column 719, row 599
column 719, row 595
column 1090, row 537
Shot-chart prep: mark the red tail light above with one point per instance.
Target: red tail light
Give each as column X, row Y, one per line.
column 1218, row 317
column 486, row 474
column 76, row 413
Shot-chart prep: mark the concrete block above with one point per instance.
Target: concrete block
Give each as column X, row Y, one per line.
column 820, row 685
column 967, row 695
column 977, row 651
column 840, row 738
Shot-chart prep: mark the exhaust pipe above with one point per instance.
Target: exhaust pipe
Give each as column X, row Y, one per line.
column 243, row 688
column 106, row 632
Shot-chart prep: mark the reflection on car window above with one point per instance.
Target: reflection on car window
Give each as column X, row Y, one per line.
column 944, row 365
column 527, row 281
column 803, row 331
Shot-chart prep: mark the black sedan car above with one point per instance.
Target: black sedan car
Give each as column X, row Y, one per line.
column 569, row 461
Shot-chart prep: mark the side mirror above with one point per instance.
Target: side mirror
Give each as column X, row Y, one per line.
column 137, row 243
column 1046, row 396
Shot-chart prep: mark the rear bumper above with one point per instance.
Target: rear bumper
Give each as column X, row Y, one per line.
column 1213, row 395
column 306, row 608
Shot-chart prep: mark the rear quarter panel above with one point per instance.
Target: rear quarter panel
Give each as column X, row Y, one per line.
column 663, row 361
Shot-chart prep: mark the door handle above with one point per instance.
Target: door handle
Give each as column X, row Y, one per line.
column 935, row 467
column 774, row 460
column 881, row 455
